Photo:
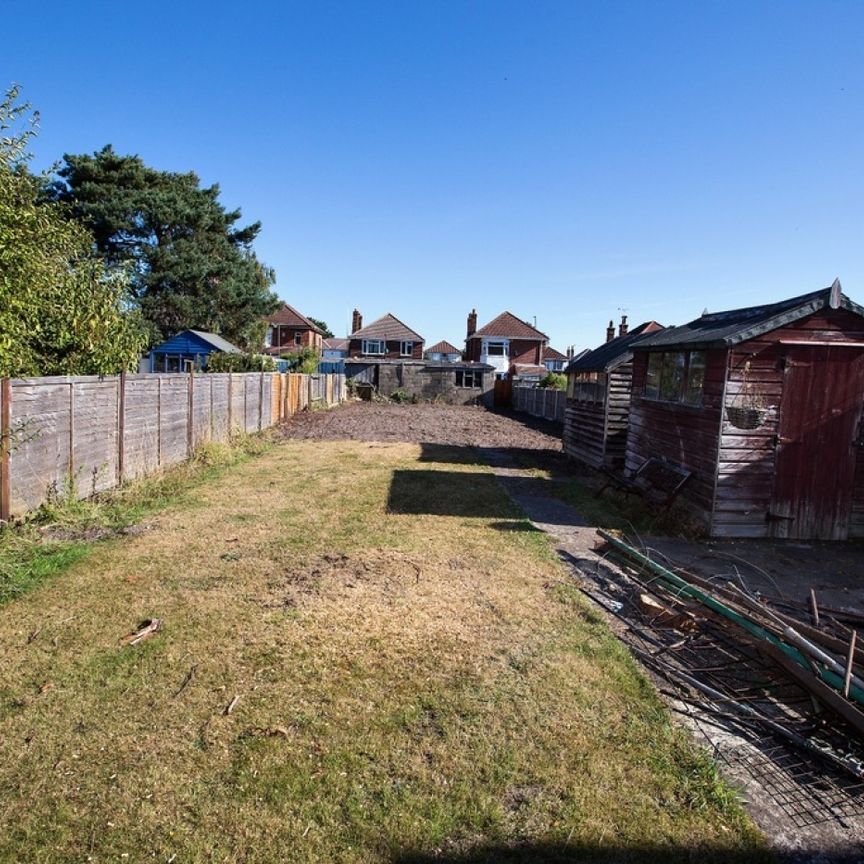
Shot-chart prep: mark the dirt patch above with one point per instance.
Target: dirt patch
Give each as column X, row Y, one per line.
column 452, row 425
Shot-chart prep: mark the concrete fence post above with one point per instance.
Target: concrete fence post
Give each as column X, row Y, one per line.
column 121, row 427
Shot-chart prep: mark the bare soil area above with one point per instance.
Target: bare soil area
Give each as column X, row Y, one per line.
column 453, row 425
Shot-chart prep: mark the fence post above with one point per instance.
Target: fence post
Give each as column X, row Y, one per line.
column 121, row 427
column 230, row 404
column 71, row 435
column 5, row 447
column 190, row 402
column 158, row 421
column 261, row 402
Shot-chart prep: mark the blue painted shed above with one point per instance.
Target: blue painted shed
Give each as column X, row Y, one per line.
column 188, row 346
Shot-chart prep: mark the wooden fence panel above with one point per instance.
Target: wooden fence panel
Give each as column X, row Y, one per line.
column 202, row 410
column 540, row 402
column 141, row 425
column 40, row 432
column 238, row 404
column 95, row 435
column 94, row 432
column 173, row 426
column 219, row 391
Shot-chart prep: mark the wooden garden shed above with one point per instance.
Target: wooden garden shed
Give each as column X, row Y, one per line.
column 763, row 405
column 598, row 399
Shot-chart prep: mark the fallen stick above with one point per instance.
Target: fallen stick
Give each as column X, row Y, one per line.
column 145, row 631
column 186, row 680
column 231, row 705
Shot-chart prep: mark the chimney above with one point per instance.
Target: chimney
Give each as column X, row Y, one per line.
column 356, row 321
column 622, row 329
column 472, row 322
column 569, row 352
column 610, row 332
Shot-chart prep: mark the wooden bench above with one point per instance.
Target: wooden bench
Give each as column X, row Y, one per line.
column 657, row 480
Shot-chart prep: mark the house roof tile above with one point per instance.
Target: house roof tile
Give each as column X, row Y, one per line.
column 389, row 328
column 508, row 326
column 290, row 317
column 553, row 354
column 336, row 344
column 443, row 347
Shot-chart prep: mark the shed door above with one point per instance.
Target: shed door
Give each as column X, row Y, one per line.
column 823, row 390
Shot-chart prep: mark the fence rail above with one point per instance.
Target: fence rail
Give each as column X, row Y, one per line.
column 87, row 434
column 540, row 402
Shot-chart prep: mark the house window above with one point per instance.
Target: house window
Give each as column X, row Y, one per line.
column 373, row 346
column 268, row 338
column 406, row 349
column 675, row 376
column 587, row 388
column 298, row 338
column 468, row 378
column 496, row 349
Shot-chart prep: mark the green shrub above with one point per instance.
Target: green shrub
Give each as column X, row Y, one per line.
column 304, row 361
column 554, row 381
column 223, row 361
column 403, row 396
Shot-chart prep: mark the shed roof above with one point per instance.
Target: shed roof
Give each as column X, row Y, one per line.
column 290, row 317
column 613, row 353
column 723, row 329
column 181, row 343
column 387, row 327
column 443, row 347
column 508, row 326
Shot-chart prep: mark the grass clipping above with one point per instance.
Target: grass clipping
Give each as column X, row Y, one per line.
column 353, row 664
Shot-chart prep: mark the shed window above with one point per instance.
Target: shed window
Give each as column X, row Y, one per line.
column 406, row 349
column 675, row 376
column 373, row 346
column 587, row 388
column 468, row 378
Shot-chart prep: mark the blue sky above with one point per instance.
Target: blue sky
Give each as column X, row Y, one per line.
column 560, row 160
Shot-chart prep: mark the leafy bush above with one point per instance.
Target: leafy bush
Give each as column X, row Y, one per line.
column 304, row 361
column 223, row 361
column 554, row 381
column 403, row 396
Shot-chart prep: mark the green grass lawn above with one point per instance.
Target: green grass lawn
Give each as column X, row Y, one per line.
column 410, row 675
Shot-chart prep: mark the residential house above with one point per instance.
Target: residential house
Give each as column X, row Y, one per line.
column 443, row 351
column 514, row 348
column 386, row 338
column 188, row 349
column 555, row 361
column 598, row 398
column 763, row 405
column 288, row 331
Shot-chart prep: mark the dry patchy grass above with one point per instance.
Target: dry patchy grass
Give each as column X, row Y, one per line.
column 406, row 682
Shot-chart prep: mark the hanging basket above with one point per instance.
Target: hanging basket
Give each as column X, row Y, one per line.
column 744, row 417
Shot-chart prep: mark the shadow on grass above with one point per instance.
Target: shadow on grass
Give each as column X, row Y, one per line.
column 557, row 853
column 448, row 493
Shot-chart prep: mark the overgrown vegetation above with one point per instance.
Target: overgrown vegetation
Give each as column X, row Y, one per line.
column 554, row 381
column 62, row 310
column 305, row 361
column 226, row 361
column 355, row 678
